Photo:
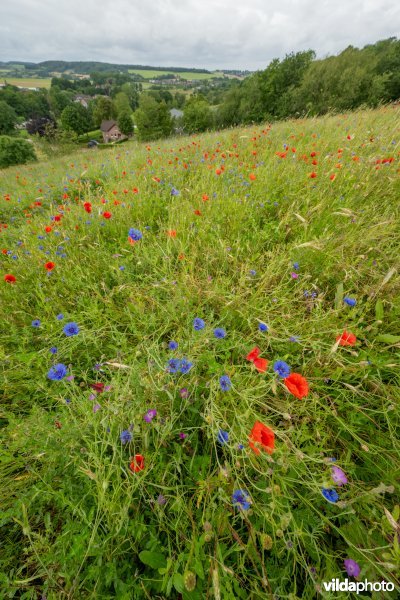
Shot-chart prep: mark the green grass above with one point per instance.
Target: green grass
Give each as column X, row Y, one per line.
column 189, row 75
column 29, row 82
column 75, row 521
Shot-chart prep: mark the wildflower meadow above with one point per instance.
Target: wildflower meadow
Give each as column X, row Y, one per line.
column 199, row 377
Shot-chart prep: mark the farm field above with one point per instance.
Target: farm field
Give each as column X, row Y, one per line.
column 27, row 81
column 199, row 365
column 149, row 74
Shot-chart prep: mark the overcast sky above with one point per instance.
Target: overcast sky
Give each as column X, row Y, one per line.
column 245, row 34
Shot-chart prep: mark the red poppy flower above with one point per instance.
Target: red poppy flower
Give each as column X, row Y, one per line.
column 97, row 387
column 49, row 266
column 218, row 171
column 88, row 207
column 10, row 278
column 252, row 176
column 262, row 436
column 171, row 233
column 4, row 251
column 205, row 198
column 57, row 218
column 346, row 339
column 260, row 364
column 313, row 175
column 297, row 385
column 197, row 212
column 48, row 229
column 137, row 463
column 107, row 215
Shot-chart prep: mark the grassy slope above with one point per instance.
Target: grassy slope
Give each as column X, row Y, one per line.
column 28, row 82
column 189, row 75
column 74, row 518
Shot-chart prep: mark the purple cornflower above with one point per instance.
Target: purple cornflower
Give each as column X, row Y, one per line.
column 223, row 436
column 338, row 476
column 96, row 407
column 135, row 234
column 225, row 383
column 57, row 372
column 349, row 301
column 294, row 275
column 184, row 392
column 182, row 435
column 353, row 569
column 161, row 500
column 125, row 436
column 330, row 494
column 219, row 333
column 71, row 329
column 173, row 365
column 149, row 416
column 198, row 324
column 185, row 366
column 282, row 369
column 172, row 345
column 241, row 499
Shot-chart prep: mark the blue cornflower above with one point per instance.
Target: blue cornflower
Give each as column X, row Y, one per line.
column 172, row 345
column 122, row 268
column 57, row 372
column 173, row 365
column 262, row 327
column 241, row 499
column 125, row 436
column 174, row 192
column 54, row 350
column 222, row 436
column 296, row 266
column 71, row 329
column 240, row 446
column 135, row 234
column 294, row 338
column 349, row 301
column 198, row 324
column 60, row 317
column 253, row 272
column 330, row 494
column 36, row 323
column 282, row 369
column 219, row 333
column 185, row 366
column 225, row 383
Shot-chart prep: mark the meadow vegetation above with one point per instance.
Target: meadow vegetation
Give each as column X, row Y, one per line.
column 157, row 301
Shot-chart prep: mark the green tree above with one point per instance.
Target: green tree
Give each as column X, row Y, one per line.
column 197, row 116
column 179, row 99
column 76, row 118
column 125, row 123
column 8, row 119
column 15, row 151
column 132, row 91
column 121, row 103
column 103, row 110
column 152, row 119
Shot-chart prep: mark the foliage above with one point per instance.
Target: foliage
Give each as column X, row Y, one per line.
column 104, row 109
column 76, row 118
column 197, row 115
column 228, row 227
column 14, row 151
column 8, row 119
column 125, row 123
column 152, row 118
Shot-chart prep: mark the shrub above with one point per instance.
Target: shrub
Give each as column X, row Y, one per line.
column 14, row 151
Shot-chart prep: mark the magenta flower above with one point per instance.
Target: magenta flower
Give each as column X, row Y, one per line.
column 149, row 416
column 353, row 569
column 338, row 476
column 184, row 392
column 96, row 407
column 182, row 435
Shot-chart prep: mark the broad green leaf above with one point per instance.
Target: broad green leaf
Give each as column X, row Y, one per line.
column 153, row 559
column 388, row 338
column 379, row 310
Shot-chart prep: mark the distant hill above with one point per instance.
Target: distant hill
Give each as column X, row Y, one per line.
column 63, row 66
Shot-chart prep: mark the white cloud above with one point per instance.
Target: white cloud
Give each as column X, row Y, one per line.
column 208, row 33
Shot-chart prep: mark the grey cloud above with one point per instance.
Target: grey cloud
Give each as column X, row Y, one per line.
column 211, row 34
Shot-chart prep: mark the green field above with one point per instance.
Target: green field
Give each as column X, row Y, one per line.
column 148, row 74
column 27, row 82
column 199, row 376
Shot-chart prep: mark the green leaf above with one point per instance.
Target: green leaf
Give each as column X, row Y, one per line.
column 153, row 559
column 388, row 338
column 379, row 310
column 339, row 296
column 179, row 584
